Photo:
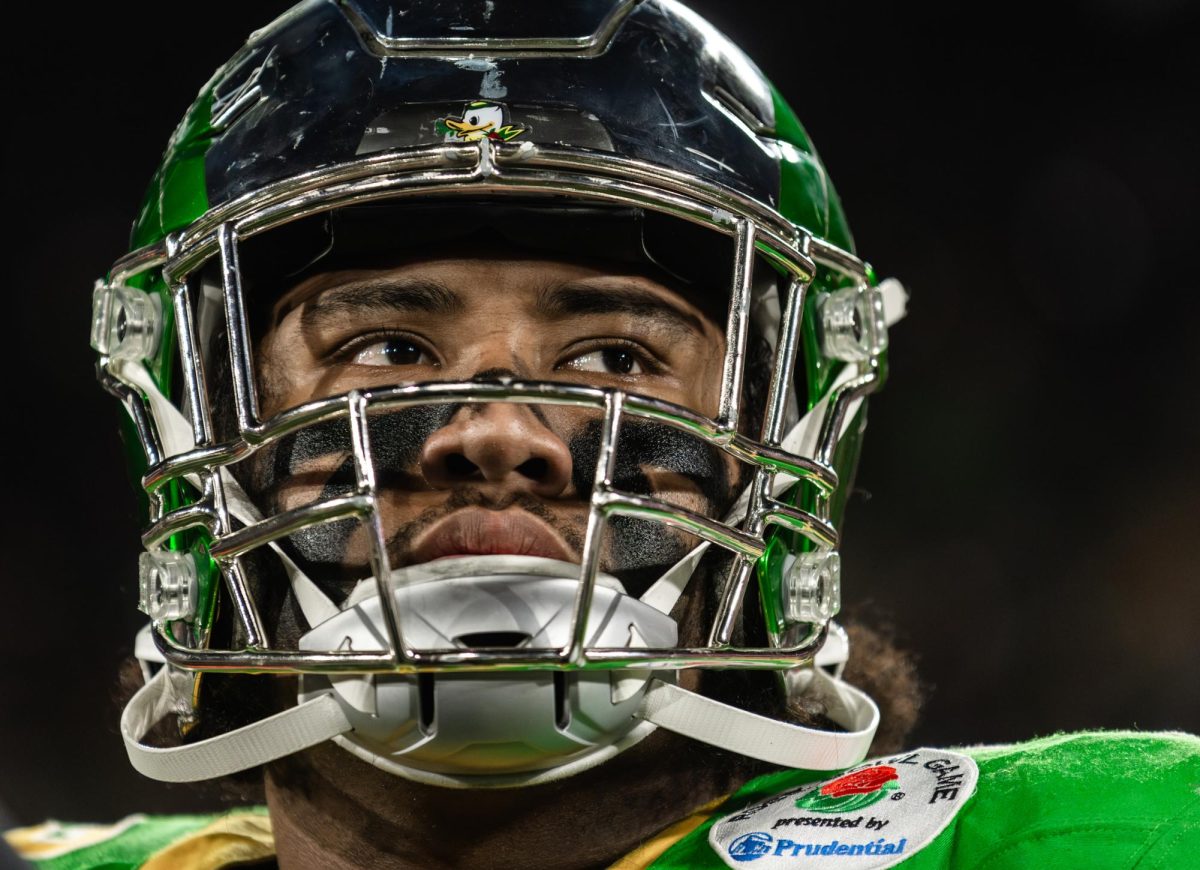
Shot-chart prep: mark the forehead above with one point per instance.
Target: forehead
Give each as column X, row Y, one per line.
column 535, row 313
column 473, row 243
column 483, row 284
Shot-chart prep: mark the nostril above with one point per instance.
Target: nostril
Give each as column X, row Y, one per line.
column 458, row 465
column 535, row 469
column 504, row 446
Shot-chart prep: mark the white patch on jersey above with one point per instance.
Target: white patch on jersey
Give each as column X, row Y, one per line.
column 872, row 816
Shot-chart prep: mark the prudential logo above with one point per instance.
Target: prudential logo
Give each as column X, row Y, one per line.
column 751, row 847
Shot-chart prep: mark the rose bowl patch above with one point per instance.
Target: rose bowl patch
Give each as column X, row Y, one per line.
column 872, row 816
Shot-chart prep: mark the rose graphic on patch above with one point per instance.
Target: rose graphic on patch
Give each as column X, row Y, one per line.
column 480, row 120
column 852, row 792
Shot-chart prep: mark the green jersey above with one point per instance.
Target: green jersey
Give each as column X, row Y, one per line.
column 1093, row 800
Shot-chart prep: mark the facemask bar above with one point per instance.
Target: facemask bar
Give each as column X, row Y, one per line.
column 499, row 170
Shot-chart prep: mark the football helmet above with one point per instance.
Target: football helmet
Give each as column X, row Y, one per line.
column 630, row 128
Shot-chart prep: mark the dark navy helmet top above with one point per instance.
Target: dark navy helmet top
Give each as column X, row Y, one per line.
column 321, row 85
column 331, row 80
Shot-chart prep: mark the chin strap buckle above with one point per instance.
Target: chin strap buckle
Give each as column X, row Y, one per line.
column 812, row 587
column 167, row 586
column 126, row 322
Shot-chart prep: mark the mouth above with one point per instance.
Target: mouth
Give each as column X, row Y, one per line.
column 482, row 532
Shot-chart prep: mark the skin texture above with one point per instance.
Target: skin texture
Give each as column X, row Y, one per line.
column 466, row 479
column 484, row 479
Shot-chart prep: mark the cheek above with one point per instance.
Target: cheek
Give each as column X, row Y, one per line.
column 649, row 451
column 320, row 459
column 277, row 372
column 317, row 463
column 662, row 462
column 701, row 389
column 677, row 489
column 303, row 467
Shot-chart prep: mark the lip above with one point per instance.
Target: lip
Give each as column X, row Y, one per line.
column 482, row 532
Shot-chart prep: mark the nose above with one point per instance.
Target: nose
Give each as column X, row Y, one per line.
column 499, row 444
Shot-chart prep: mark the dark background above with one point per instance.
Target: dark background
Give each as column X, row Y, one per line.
column 1031, row 530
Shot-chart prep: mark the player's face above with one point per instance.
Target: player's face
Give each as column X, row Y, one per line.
column 491, row 478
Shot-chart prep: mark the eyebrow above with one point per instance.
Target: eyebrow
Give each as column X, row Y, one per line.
column 617, row 298
column 404, row 295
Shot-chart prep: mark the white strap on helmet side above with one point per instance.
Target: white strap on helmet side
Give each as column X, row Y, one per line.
column 174, row 431
column 665, row 705
column 772, row 740
column 293, row 730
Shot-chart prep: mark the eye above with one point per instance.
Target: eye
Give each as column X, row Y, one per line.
column 610, row 360
column 473, row 120
column 393, row 352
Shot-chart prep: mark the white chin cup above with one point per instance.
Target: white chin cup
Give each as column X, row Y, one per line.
column 496, row 729
column 489, row 727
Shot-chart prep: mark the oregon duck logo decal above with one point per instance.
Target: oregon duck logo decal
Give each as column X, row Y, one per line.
column 480, row 120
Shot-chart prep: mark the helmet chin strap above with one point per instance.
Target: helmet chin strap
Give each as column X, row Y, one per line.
column 323, row 717
column 326, row 714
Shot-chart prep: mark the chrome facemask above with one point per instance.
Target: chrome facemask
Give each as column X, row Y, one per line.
column 184, row 455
